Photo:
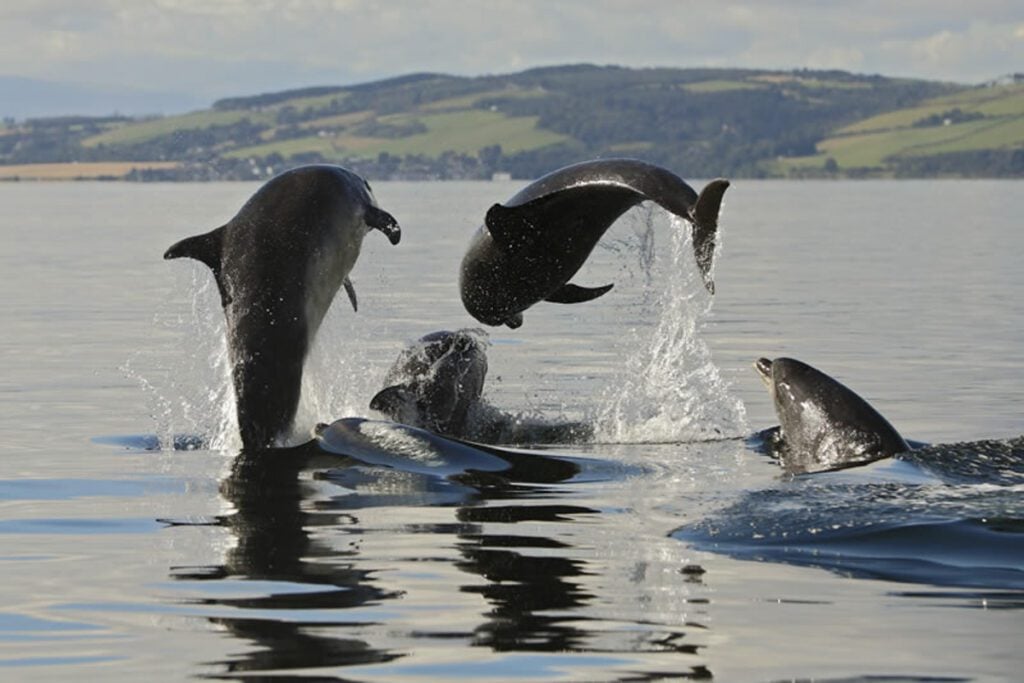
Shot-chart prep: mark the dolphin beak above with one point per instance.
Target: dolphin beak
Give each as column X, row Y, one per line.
column 763, row 366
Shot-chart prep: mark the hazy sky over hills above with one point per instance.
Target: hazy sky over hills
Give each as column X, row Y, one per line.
column 208, row 49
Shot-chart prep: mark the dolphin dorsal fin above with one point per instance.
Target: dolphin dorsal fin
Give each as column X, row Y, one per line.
column 205, row 248
column 510, row 227
column 574, row 294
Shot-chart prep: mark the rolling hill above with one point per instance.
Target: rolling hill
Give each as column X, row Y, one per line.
column 701, row 122
column 938, row 136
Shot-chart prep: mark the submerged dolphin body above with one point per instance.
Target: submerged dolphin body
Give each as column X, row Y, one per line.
column 531, row 246
column 823, row 424
column 278, row 264
column 437, row 384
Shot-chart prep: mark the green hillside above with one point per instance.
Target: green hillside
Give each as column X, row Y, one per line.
column 701, row 122
column 975, row 123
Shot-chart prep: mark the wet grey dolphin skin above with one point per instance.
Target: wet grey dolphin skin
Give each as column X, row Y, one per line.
column 823, row 424
column 437, row 384
column 434, row 383
column 278, row 264
column 532, row 245
column 408, row 449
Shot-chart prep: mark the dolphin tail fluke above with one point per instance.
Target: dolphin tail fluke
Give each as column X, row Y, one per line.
column 574, row 294
column 379, row 219
column 704, row 217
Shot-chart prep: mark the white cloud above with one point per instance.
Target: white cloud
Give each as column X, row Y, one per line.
column 225, row 47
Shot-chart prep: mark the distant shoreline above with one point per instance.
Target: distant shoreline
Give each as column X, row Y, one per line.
column 737, row 123
column 175, row 172
column 99, row 170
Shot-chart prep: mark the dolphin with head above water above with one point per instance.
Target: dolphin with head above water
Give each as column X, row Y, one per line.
column 823, row 424
column 437, row 384
column 531, row 246
column 278, row 264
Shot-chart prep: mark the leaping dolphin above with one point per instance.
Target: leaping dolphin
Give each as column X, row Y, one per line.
column 531, row 246
column 823, row 424
column 278, row 264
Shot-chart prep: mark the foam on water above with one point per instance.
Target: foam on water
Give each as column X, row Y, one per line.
column 194, row 395
column 338, row 379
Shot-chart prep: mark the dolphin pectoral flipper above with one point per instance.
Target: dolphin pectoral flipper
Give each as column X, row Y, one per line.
column 351, row 291
column 574, row 294
column 379, row 219
column 206, row 248
column 704, row 216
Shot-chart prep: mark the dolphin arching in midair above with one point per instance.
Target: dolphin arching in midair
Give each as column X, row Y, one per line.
column 531, row 246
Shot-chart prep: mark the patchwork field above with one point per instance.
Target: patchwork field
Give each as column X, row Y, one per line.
column 463, row 131
column 80, row 171
column 979, row 119
column 729, row 122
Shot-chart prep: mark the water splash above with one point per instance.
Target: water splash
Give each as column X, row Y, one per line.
column 339, row 378
column 189, row 388
column 670, row 389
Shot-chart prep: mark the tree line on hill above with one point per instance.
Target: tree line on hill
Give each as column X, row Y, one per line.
column 703, row 122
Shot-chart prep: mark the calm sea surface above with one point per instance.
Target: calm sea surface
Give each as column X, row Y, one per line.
column 121, row 563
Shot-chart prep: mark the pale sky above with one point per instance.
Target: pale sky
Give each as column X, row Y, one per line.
column 219, row 48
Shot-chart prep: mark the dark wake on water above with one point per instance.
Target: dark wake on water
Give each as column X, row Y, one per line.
column 948, row 515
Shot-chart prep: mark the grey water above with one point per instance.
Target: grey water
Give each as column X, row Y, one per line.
column 680, row 551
